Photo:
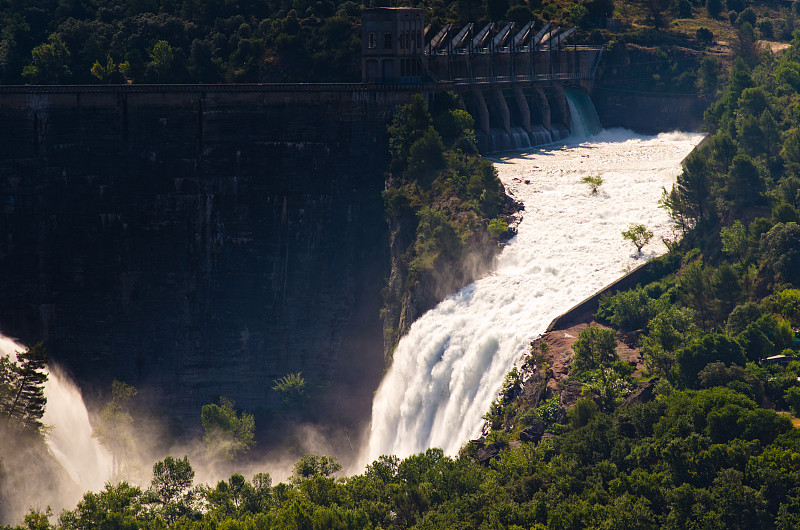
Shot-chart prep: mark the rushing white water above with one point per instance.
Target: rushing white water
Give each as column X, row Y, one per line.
column 69, row 436
column 450, row 366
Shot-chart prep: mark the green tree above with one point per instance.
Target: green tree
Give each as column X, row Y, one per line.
column 497, row 228
column 709, row 348
column 22, row 400
column 171, row 492
column 639, row 235
column 292, row 389
column 49, row 63
column 780, row 250
column 114, row 425
column 668, row 331
column 161, row 58
column 593, row 181
column 792, row 397
column 745, row 184
column 105, row 73
column 409, row 123
column 595, row 348
column 734, row 240
column 310, row 466
column 226, row 433
column 695, row 284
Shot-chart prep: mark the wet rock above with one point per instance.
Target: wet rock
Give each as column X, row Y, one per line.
column 645, row 393
column 534, row 389
column 491, row 451
column 533, row 433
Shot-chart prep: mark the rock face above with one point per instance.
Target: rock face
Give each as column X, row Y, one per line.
column 199, row 242
column 648, row 114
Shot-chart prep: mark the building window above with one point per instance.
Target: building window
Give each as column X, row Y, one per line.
column 387, row 41
column 372, row 41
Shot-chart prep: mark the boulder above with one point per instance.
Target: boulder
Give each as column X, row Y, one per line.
column 533, row 433
column 645, row 393
column 486, row 454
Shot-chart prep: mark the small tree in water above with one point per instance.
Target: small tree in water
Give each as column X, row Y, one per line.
column 639, row 235
column 593, row 181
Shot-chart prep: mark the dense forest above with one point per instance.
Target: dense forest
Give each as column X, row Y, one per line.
column 236, row 41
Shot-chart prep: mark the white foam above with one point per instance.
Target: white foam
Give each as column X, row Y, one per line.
column 450, row 366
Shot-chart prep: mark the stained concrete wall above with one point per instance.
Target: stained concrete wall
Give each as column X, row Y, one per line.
column 199, row 241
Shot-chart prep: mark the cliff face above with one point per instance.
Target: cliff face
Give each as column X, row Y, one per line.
column 649, row 114
column 197, row 244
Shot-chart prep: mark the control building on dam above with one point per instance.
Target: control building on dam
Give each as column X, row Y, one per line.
column 510, row 79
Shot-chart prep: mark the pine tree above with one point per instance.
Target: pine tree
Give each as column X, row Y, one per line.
column 22, row 400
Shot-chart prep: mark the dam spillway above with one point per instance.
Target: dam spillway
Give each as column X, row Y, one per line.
column 451, row 365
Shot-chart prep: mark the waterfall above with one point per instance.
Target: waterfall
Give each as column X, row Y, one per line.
column 583, row 119
column 69, row 436
column 451, row 364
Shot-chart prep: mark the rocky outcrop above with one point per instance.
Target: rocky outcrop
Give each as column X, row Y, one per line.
column 643, row 394
column 490, row 452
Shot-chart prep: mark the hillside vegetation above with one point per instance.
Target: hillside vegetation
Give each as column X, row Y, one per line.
column 192, row 41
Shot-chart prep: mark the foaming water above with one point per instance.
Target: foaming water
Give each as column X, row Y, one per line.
column 69, row 433
column 450, row 366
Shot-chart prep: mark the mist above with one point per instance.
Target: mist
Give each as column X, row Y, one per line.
column 54, row 471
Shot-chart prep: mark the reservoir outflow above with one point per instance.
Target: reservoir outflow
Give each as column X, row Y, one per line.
column 450, row 366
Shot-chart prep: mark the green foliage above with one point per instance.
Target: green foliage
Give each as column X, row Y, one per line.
column 581, row 413
column 49, row 63
column 787, row 304
column 162, row 57
column 691, row 359
column 704, row 35
column 595, row 348
column 171, row 494
column 734, row 240
column 668, row 331
column 443, row 200
column 638, row 235
column 630, row 310
column 497, row 228
column 310, row 466
column 593, row 181
column 292, row 388
column 226, row 433
column 113, row 429
column 22, row 400
column 792, row 397
column 780, row 250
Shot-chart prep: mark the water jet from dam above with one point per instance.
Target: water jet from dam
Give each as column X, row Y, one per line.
column 450, row 366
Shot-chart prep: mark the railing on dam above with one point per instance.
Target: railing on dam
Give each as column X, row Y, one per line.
column 522, row 78
column 243, row 87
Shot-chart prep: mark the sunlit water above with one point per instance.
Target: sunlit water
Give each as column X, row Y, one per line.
column 69, row 433
column 448, row 369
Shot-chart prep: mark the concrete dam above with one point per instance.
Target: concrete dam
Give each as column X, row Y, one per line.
column 199, row 241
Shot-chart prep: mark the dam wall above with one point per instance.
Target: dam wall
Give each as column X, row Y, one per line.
column 199, row 241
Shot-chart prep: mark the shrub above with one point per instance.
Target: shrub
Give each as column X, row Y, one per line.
column 792, row 398
column 704, row 36
column 765, row 28
column 497, row 228
column 630, row 310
